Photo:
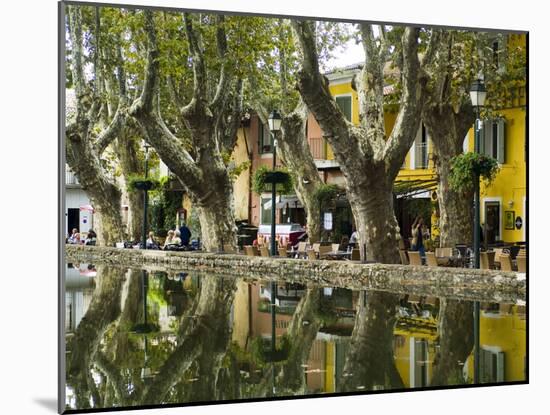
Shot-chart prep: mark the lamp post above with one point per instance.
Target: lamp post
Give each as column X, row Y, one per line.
column 274, row 126
column 145, row 195
column 477, row 95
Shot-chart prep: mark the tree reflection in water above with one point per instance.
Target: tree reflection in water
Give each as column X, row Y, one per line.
column 455, row 330
column 192, row 359
column 370, row 363
column 106, row 361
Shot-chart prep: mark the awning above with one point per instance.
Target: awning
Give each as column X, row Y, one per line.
column 413, row 189
column 293, row 202
column 87, row 207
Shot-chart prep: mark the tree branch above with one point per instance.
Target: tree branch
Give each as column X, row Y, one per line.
column 112, row 131
column 410, row 108
column 371, row 93
column 221, row 40
column 316, row 94
column 154, row 129
column 230, row 132
column 199, row 71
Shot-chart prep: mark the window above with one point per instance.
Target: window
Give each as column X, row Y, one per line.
column 419, row 354
column 265, row 139
column 421, row 149
column 495, row 48
column 344, row 103
column 492, row 366
column 266, row 212
column 493, row 140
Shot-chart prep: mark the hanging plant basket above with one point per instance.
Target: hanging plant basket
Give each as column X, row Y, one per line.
column 465, row 166
column 264, row 178
column 327, row 193
column 141, row 183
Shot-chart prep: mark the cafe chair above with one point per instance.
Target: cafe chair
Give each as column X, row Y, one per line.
column 264, row 251
column 505, row 262
column 487, row 260
column 228, row 248
column 404, row 257
column 521, row 261
column 431, row 260
column 414, row 258
column 324, row 250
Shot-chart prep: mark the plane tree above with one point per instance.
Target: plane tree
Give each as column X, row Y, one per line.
column 462, row 57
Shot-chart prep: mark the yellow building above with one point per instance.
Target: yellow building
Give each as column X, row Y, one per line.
column 503, row 202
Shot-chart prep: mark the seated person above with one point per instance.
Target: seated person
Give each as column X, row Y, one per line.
column 91, row 239
column 175, row 243
column 151, row 242
column 177, row 238
column 169, row 239
column 71, row 239
column 76, row 239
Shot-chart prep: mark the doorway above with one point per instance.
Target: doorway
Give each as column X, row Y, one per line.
column 492, row 222
column 73, row 219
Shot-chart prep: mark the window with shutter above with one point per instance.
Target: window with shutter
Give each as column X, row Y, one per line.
column 491, row 366
column 421, row 148
column 420, row 363
column 493, row 139
column 265, row 140
column 344, row 103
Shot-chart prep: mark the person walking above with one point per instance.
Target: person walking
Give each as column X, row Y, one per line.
column 418, row 236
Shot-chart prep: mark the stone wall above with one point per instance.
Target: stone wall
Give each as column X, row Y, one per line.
column 458, row 283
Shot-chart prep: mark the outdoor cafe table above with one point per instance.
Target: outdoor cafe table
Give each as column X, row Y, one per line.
column 451, row 261
column 338, row 255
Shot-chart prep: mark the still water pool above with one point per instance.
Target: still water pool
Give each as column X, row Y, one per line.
column 138, row 338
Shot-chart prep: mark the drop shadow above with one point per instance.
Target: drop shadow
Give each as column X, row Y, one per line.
column 47, row 403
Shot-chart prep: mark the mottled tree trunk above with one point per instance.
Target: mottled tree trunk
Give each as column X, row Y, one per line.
column 447, row 129
column 372, row 206
column 103, row 193
column 370, row 362
column 216, row 212
column 82, row 154
column 212, row 125
column 370, row 160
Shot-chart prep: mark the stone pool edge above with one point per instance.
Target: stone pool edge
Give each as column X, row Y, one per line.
column 457, row 283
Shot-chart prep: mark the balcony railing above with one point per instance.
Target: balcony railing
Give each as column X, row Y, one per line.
column 318, row 148
column 70, row 177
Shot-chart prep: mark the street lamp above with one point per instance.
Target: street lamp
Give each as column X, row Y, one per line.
column 478, row 93
column 274, row 121
column 146, row 147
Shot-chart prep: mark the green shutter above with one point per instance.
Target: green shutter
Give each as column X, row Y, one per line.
column 344, row 103
column 501, row 140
